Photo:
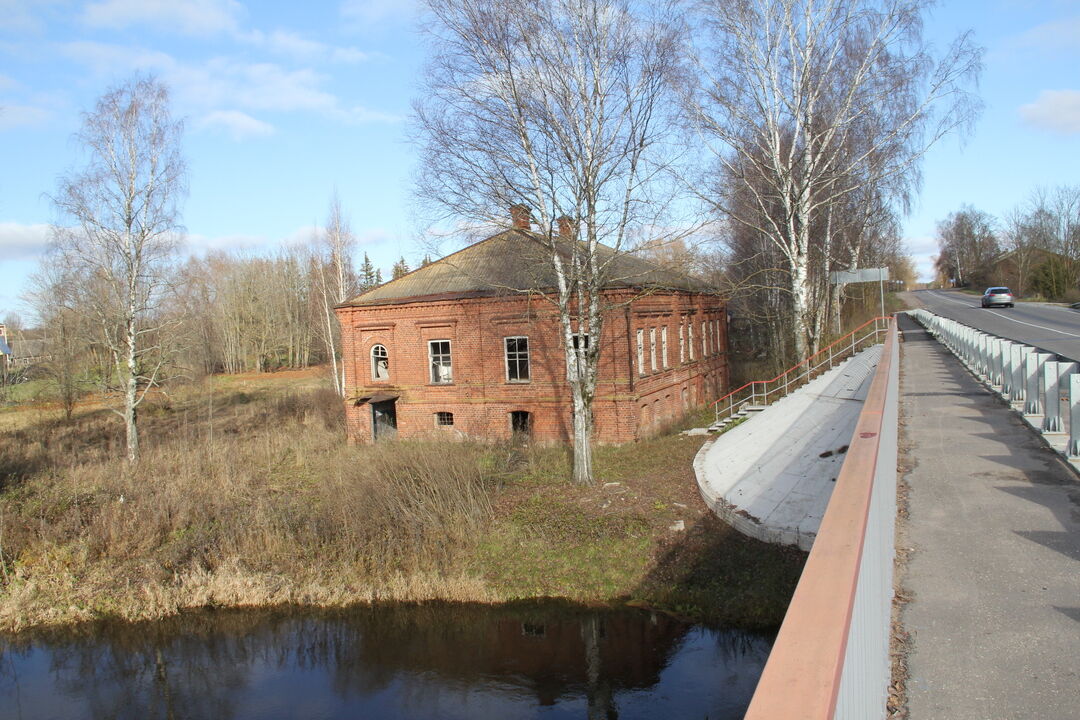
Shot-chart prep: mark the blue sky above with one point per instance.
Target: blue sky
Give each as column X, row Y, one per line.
column 286, row 102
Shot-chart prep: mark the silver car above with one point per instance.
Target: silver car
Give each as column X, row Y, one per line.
column 997, row 296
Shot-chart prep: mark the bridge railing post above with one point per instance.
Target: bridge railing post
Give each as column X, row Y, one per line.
column 1019, row 385
column 1052, row 398
column 1006, row 368
column 1073, row 450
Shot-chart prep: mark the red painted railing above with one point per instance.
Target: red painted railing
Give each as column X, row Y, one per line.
column 763, row 392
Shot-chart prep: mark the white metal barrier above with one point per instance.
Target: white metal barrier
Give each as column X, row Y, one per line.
column 1032, row 381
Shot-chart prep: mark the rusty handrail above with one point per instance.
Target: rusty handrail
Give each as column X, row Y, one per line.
column 790, row 383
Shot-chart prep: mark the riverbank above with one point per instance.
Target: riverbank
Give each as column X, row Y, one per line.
column 247, row 496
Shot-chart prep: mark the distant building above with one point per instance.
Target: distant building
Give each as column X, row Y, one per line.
column 467, row 346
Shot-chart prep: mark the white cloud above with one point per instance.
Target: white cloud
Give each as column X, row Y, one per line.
column 238, row 125
column 18, row 16
column 23, row 242
column 105, row 59
column 362, row 14
column 1063, row 34
column 359, row 115
column 297, row 47
column 12, row 116
column 1054, row 110
column 224, row 82
column 191, row 17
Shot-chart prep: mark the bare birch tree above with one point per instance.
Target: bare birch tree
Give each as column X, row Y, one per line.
column 556, row 107
column 119, row 224
column 335, row 281
column 808, row 101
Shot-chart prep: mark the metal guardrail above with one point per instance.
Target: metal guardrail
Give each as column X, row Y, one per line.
column 830, row 660
column 1034, row 382
column 759, row 393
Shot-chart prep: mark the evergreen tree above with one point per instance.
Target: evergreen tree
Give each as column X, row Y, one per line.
column 400, row 268
column 369, row 275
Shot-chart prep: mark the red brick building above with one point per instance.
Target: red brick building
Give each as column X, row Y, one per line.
column 462, row 347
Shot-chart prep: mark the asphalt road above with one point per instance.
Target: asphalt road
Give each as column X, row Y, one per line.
column 1053, row 328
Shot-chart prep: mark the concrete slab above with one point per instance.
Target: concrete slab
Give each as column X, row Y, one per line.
column 993, row 526
column 771, row 477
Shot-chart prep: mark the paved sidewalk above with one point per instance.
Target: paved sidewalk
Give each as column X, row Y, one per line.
column 772, row 476
column 994, row 528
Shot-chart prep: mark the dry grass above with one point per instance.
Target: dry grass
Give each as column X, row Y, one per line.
column 247, row 495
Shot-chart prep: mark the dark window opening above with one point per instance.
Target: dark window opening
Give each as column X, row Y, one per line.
column 444, row 419
column 581, row 341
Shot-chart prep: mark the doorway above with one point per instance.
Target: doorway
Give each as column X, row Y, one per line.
column 384, row 420
column 521, row 424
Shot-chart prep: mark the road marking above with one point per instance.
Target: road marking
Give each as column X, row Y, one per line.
column 941, row 296
column 1041, row 327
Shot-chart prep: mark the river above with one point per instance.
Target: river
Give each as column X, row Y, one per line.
column 429, row 661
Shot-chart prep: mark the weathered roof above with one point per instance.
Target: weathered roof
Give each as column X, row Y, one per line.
column 514, row 261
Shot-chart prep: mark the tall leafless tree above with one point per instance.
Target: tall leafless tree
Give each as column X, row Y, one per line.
column 968, row 242
column 805, row 102
column 335, row 282
column 559, row 106
column 118, row 229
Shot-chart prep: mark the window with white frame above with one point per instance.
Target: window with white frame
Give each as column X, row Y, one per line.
column 517, row 358
column 652, row 349
column 641, row 351
column 682, row 341
column 704, row 340
column 380, row 363
column 441, row 367
column 663, row 346
column 690, row 338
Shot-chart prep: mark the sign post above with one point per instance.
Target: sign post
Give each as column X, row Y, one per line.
column 843, row 277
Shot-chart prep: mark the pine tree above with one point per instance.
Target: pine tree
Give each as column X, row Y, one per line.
column 400, row 268
column 369, row 275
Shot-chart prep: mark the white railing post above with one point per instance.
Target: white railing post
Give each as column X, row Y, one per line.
column 1006, row 368
column 1073, row 450
column 1020, row 353
column 1052, row 398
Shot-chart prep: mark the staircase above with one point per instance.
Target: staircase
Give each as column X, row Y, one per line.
column 755, row 396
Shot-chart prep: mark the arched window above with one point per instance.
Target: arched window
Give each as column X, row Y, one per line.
column 380, row 363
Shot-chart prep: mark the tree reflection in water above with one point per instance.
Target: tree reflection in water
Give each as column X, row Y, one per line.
column 430, row 661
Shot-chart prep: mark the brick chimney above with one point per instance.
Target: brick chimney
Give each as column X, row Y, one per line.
column 568, row 229
column 521, row 217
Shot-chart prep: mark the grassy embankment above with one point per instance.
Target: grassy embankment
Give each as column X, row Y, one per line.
column 247, row 495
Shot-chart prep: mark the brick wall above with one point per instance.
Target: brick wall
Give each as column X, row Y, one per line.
column 631, row 401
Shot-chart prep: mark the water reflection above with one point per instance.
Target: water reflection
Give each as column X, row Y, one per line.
column 401, row 662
